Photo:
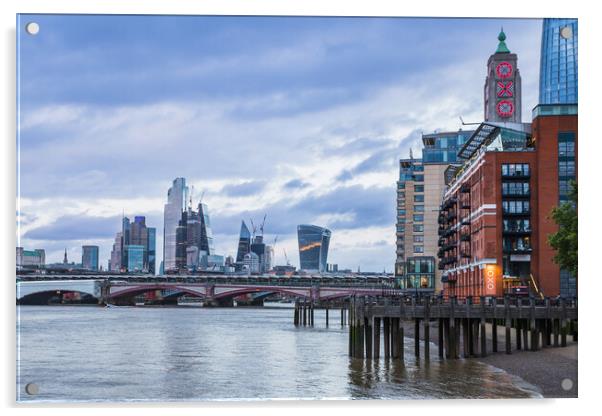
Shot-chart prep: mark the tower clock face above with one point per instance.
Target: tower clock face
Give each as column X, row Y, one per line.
column 505, row 89
column 505, row 108
column 503, row 70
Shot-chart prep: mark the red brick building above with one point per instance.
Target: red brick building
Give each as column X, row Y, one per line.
column 495, row 215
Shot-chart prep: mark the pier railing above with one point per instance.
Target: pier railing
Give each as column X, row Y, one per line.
column 463, row 324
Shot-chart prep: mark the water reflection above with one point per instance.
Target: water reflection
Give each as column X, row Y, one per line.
column 165, row 354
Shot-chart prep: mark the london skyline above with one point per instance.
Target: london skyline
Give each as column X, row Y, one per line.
column 306, row 126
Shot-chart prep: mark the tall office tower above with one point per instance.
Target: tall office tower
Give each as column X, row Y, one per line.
column 269, row 258
column 503, row 85
column 134, row 239
column 194, row 237
column 558, row 78
column 116, row 254
column 90, row 258
column 151, row 249
column 177, row 196
column 313, row 247
column 258, row 247
column 244, row 243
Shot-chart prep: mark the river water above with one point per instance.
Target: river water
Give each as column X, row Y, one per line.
column 191, row 354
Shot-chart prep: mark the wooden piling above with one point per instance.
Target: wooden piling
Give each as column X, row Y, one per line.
column 387, row 337
column 446, row 338
column 519, row 338
column 417, row 337
column 326, row 316
column 368, row 337
column 483, row 332
column 453, row 325
column 376, row 337
column 494, row 327
column 401, row 340
column 342, row 318
column 507, row 319
column 427, row 336
column 465, row 338
column 311, row 309
column 440, row 336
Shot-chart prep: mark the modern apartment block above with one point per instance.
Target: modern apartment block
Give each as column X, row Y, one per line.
column 495, row 216
column 90, row 257
column 35, row 259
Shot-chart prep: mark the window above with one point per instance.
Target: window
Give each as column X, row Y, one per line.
column 418, row 188
column 401, row 212
column 515, row 169
column 515, row 188
column 418, row 249
column 419, row 239
column 419, row 208
column 401, row 228
column 418, row 198
column 418, row 218
column 418, row 228
column 419, row 178
column 515, row 207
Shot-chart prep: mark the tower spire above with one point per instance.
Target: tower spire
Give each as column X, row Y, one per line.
column 65, row 261
column 501, row 47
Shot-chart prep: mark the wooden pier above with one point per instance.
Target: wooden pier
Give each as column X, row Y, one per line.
column 462, row 326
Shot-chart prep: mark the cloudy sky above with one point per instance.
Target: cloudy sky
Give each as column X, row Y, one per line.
column 302, row 119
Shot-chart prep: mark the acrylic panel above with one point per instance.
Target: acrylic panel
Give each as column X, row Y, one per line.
column 281, row 207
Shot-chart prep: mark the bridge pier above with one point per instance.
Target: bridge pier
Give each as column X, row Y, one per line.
column 376, row 337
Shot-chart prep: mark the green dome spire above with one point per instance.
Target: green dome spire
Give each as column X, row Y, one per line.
column 501, row 47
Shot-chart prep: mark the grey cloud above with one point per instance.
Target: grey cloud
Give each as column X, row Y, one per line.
column 296, row 184
column 244, row 189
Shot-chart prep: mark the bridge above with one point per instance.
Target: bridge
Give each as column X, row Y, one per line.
column 213, row 290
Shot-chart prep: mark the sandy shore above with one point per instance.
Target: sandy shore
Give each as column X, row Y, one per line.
column 546, row 369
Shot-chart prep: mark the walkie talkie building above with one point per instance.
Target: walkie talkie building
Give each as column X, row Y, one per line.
column 313, row 247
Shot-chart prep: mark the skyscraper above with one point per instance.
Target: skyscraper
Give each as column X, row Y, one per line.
column 244, row 243
column 313, row 247
column 134, row 239
column 558, row 79
column 194, row 237
column 90, row 258
column 177, row 196
column 502, row 89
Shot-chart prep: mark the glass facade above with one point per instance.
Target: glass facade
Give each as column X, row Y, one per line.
column 244, row 243
column 420, row 273
column 172, row 214
column 313, row 247
column 90, row 257
column 558, row 73
column 135, row 258
column 152, row 250
column 566, row 164
column 443, row 147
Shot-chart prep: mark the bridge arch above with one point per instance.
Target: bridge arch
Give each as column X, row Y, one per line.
column 45, row 297
column 271, row 289
column 138, row 290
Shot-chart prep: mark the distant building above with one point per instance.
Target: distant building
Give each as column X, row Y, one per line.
column 90, row 258
column 194, row 239
column 558, row 73
column 34, row 259
column 251, row 263
column 177, row 196
column 244, row 244
column 332, row 268
column 313, row 247
column 135, row 234
column 287, row 270
column 135, row 256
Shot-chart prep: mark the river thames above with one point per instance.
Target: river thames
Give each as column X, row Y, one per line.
column 193, row 354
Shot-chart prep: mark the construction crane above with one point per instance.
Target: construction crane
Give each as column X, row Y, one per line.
column 288, row 263
column 253, row 227
column 262, row 224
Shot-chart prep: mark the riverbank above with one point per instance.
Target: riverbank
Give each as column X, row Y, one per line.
column 548, row 368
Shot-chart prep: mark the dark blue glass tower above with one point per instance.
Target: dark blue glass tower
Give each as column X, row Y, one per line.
column 313, row 247
column 558, row 67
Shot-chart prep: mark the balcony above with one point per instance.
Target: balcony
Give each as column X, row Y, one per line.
column 516, row 231
column 516, row 214
column 516, row 176
column 524, row 195
column 465, row 221
column 465, row 237
column 517, row 250
column 451, row 215
column 465, row 188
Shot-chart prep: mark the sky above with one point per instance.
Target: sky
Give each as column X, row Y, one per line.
column 302, row 119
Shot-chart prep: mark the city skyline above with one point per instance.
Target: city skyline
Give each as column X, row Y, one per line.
column 303, row 90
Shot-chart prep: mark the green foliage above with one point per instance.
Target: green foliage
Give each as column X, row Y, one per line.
column 565, row 240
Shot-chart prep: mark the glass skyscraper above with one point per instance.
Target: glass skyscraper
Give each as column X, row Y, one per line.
column 558, row 79
column 172, row 215
column 90, row 257
column 313, row 247
column 244, row 243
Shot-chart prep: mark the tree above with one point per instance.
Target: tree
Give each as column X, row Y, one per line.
column 564, row 241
